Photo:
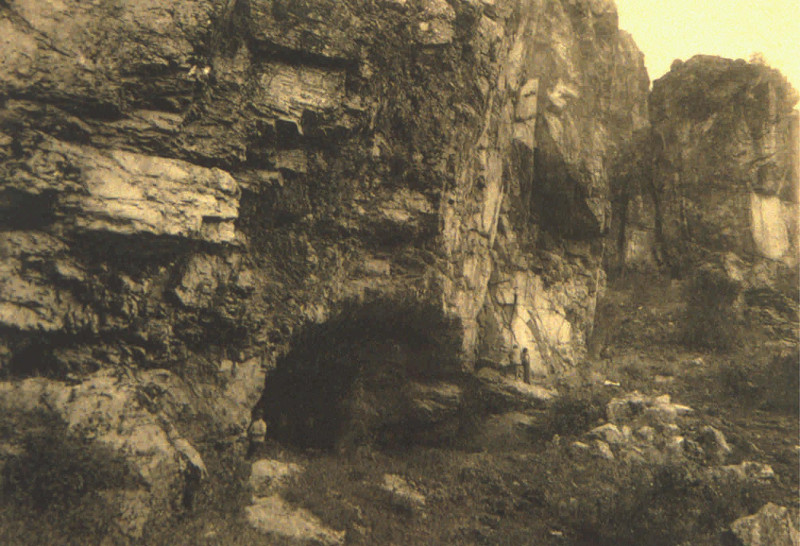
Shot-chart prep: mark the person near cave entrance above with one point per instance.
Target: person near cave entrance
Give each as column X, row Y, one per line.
column 526, row 365
column 256, row 434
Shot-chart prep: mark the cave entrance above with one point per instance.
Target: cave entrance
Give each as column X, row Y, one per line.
column 350, row 379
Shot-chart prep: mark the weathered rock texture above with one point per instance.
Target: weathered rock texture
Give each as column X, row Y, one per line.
column 130, row 418
column 183, row 183
column 771, row 525
column 720, row 168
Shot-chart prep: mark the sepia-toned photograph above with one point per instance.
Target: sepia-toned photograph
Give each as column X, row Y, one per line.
column 399, row 272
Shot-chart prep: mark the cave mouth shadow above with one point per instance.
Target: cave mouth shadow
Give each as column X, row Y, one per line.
column 347, row 381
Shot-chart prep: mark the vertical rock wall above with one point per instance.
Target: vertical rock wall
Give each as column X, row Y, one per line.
column 724, row 162
column 183, row 183
column 571, row 92
column 189, row 182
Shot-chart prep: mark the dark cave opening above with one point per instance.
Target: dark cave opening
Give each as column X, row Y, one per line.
column 347, row 380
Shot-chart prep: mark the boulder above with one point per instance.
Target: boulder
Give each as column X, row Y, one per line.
column 675, row 447
column 770, row 526
column 269, row 476
column 402, row 495
column 275, row 517
column 578, row 447
column 633, row 454
column 625, row 408
column 746, row 471
column 603, row 450
column 657, row 410
column 608, row 433
column 660, row 415
column 714, row 443
column 646, row 434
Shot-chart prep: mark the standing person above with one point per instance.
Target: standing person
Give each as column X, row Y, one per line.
column 526, row 366
column 256, row 434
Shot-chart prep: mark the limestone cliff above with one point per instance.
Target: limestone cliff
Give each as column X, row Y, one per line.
column 183, row 183
column 722, row 166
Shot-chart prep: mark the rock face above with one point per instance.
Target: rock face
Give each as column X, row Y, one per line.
column 182, row 184
column 721, row 169
column 272, row 515
column 456, row 149
column 771, row 525
column 131, row 418
column 275, row 517
column 545, row 174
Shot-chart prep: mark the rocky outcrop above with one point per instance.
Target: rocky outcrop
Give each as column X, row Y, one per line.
column 710, row 193
column 542, row 173
column 655, row 431
column 272, row 515
column 131, row 418
column 771, row 525
column 205, row 156
column 185, row 183
column 719, row 172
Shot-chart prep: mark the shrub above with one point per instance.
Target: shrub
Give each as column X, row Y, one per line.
column 574, row 413
column 609, row 503
column 771, row 384
column 710, row 321
column 54, row 486
column 780, row 383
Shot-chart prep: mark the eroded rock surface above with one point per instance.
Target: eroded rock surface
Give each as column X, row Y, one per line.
column 771, row 525
column 269, row 476
column 275, row 517
column 132, row 418
column 183, row 184
column 272, row 515
column 476, row 181
column 719, row 173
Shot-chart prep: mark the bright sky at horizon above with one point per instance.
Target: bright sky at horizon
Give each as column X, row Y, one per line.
column 680, row 29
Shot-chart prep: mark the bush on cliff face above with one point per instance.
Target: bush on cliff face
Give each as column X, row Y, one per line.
column 710, row 321
column 345, row 381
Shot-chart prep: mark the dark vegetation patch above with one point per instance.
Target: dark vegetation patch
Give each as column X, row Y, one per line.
column 215, row 515
column 53, row 484
column 346, row 379
column 769, row 383
column 610, row 502
column 711, row 321
column 575, row 411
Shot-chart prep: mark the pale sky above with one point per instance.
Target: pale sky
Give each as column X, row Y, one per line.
column 679, row 29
